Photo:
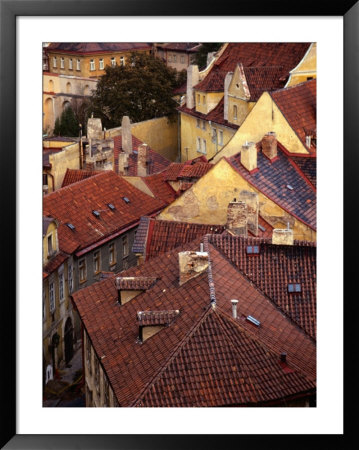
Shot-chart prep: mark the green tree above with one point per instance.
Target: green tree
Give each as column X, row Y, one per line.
column 67, row 124
column 142, row 90
column 200, row 58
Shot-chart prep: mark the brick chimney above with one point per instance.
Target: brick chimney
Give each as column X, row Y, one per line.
column 269, row 145
column 249, row 156
column 192, row 80
column 227, row 82
column 191, row 264
column 126, row 135
column 142, row 160
column 123, row 164
column 282, row 236
column 237, row 217
column 252, row 202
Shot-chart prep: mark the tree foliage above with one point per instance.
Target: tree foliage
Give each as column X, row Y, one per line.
column 142, row 90
column 200, row 58
column 67, row 124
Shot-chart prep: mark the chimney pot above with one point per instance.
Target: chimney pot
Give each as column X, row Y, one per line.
column 237, row 217
column 234, row 308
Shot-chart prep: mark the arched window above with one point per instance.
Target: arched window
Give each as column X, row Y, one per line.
column 68, row 88
column 51, row 86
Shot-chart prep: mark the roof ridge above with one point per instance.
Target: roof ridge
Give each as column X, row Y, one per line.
column 173, row 355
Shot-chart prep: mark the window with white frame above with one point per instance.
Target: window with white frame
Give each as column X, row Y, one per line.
column 70, row 278
column 96, row 262
column 220, row 137
column 112, row 254
column 204, row 146
column 125, row 246
column 61, row 286
column 214, row 135
column 54, row 62
column 78, row 64
column 198, row 144
column 113, row 62
column 101, row 64
column 70, row 63
column 62, row 63
column 52, row 296
column 82, row 270
column 235, row 112
column 122, row 61
column 92, row 64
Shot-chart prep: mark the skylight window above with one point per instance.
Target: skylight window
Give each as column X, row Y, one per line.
column 72, row 227
column 111, row 206
column 254, row 321
column 96, row 213
column 290, row 187
column 126, row 199
column 261, row 228
column 294, row 287
column 252, row 249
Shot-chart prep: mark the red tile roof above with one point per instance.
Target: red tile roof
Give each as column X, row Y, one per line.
column 96, row 47
column 156, row 163
column 160, row 188
column 73, row 176
column 188, row 47
column 273, row 269
column 55, row 263
column 74, row 204
column 253, row 54
column 299, row 106
column 204, row 357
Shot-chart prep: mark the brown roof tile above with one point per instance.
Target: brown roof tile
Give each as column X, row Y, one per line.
column 73, row 176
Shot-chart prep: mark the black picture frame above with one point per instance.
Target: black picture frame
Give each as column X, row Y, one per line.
column 9, row 10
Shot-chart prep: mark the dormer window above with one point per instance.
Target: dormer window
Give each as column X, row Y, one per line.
column 49, row 245
column 126, row 199
column 294, row 287
column 96, row 213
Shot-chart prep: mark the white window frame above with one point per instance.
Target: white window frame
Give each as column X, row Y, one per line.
column 52, row 299
column 101, row 64
column 62, row 63
column 70, row 63
column 220, row 137
column 122, row 61
column 235, row 112
column 78, row 64
column 113, row 62
column 204, row 142
column 198, row 144
column 112, row 254
column 54, row 62
column 96, row 253
column 61, row 286
column 92, row 65
column 125, row 245
column 82, row 269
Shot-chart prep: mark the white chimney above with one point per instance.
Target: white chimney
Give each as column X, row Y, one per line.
column 192, row 80
column 234, row 308
column 249, row 156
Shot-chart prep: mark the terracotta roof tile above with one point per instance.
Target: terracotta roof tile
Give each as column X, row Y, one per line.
column 55, row 263
column 209, row 358
column 299, row 106
column 75, row 204
column 73, row 176
column 160, row 188
column 135, row 283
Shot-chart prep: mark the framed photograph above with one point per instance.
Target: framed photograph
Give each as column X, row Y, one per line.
column 25, row 26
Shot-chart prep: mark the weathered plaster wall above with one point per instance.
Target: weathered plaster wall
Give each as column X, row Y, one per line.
column 264, row 117
column 69, row 158
column 306, row 68
column 211, row 100
column 207, row 202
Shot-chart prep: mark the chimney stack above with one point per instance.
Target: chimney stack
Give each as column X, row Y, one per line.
column 192, row 80
column 237, row 217
column 249, row 156
column 269, row 145
column 142, row 160
column 234, row 308
column 282, row 236
column 123, row 164
column 191, row 264
column 126, row 135
column 252, row 202
column 227, row 82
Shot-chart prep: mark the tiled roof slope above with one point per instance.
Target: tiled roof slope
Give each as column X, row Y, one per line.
column 73, row 176
column 272, row 179
column 273, row 269
column 180, row 46
column 74, row 204
column 308, row 166
column 140, row 372
column 154, row 237
column 227, row 373
column 55, row 263
column 260, row 79
column 254, row 54
column 216, row 115
column 160, row 188
column 156, row 164
column 96, row 47
column 299, row 106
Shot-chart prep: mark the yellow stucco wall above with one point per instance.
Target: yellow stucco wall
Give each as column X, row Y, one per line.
column 69, row 158
column 243, row 109
column 85, row 70
column 190, row 132
column 307, row 68
column 160, row 134
column 206, row 101
column 207, row 201
column 51, row 231
column 264, row 117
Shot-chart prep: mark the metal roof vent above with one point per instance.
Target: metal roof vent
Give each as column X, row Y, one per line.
column 96, row 213
column 111, row 206
column 234, row 308
column 126, row 199
column 254, row 321
column 72, row 227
